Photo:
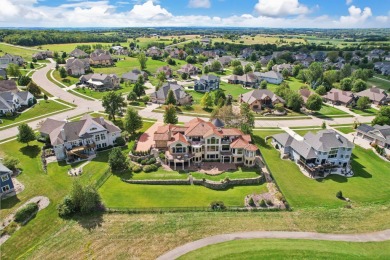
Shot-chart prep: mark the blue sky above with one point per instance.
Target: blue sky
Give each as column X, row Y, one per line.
column 245, row 13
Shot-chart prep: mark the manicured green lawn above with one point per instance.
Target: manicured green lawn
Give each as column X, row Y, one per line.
column 233, row 89
column 68, row 47
column 68, row 81
column 100, row 94
column 329, row 111
column 346, row 130
column 368, row 185
column 294, row 249
column 175, row 175
column 24, row 53
column 40, row 110
column 379, row 83
column 370, row 111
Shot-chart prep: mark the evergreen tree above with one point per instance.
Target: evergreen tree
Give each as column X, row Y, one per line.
column 117, row 160
column 206, row 101
column 170, row 116
column 142, row 59
column 170, row 98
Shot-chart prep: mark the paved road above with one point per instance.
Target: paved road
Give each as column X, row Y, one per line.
column 184, row 249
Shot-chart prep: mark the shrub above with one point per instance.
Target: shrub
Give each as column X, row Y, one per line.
column 251, row 202
column 10, row 229
column 339, row 194
column 147, row 168
column 269, row 203
column 162, row 156
column 139, row 160
column 26, row 212
column 144, row 162
column 136, row 169
column 66, row 207
column 154, row 167
column 263, row 204
column 217, row 205
column 151, row 161
column 120, row 141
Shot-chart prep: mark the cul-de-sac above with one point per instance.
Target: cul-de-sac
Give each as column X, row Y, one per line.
column 194, row 129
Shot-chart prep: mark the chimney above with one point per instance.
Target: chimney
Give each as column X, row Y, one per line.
column 102, row 121
column 63, row 136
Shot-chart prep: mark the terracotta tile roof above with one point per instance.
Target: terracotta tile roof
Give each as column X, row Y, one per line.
column 213, row 131
column 231, row 132
column 239, row 143
column 247, row 138
column 161, row 137
column 251, row 147
column 178, row 137
column 198, row 129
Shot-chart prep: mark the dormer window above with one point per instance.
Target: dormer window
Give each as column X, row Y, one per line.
column 93, row 129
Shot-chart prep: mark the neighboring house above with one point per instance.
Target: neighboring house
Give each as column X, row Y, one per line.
column 160, row 96
column 247, row 52
column 205, row 40
column 376, row 95
column 8, row 59
column 77, row 67
column 265, row 59
column 259, row 98
column 100, row 82
column 270, row 76
column 382, row 67
column 209, row 54
column 279, row 68
column 207, row 83
column 3, row 73
column 100, row 58
column 132, row 76
column 247, row 80
column 386, row 58
column 189, row 69
column 198, row 141
column 78, row 140
column 167, row 70
column 373, row 57
column 8, row 85
column 11, row 102
column 6, row 185
column 339, row 97
column 319, row 154
column 119, row 50
column 380, row 135
column 77, row 53
column 178, row 54
column 42, row 55
column 154, row 52
column 305, row 94
column 225, row 60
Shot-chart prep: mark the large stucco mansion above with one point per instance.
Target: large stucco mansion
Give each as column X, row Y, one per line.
column 198, row 141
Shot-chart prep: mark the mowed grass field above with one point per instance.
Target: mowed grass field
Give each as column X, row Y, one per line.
column 261, row 39
column 367, row 186
column 26, row 54
column 249, row 249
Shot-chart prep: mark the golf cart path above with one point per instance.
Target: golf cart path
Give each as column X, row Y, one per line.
column 184, row 249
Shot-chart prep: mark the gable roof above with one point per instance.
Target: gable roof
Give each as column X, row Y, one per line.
column 374, row 94
column 8, row 85
column 260, row 94
column 177, row 89
column 339, row 95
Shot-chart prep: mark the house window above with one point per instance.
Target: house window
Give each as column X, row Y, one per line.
column 5, row 188
column 103, row 136
column 212, row 140
column 213, row 148
column 333, row 152
column 97, row 138
column 5, row 178
column 179, row 149
column 347, row 156
column 104, row 145
column 99, row 146
column 239, row 151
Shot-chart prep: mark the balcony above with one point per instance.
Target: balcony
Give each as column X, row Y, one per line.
column 197, row 143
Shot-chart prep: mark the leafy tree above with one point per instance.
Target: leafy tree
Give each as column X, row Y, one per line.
column 63, row 55
column 206, row 70
column 113, row 103
column 263, row 84
column 248, row 68
column 229, row 100
column 359, row 85
column 294, row 101
column 314, row 74
column 216, row 66
column 45, row 97
column 117, row 160
column 33, row 89
column 170, row 116
column 258, row 66
column 321, row 90
column 330, row 77
column 285, row 73
column 346, row 84
column 247, row 116
column 235, row 63
column 270, row 64
column 360, row 74
column 220, row 102
column 363, row 103
column 133, row 121
column 132, row 96
column 140, row 80
column 139, row 90
column 13, row 70
column 63, row 73
column 171, row 61
column 11, row 162
column 253, row 57
column 207, row 100
column 190, row 60
column 219, row 93
column 238, row 70
column 296, row 69
column 31, row 65
column 314, row 102
column 161, row 77
column 142, row 59
column 24, row 80
column 345, row 71
column 333, row 55
column 383, row 116
column 184, row 76
column 170, row 98
column 323, row 125
column 26, row 134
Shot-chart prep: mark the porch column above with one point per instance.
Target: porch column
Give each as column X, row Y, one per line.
column 174, row 162
column 182, row 165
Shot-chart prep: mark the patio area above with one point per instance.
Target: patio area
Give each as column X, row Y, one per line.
column 212, row 168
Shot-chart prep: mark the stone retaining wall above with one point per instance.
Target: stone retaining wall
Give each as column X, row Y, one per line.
column 206, row 183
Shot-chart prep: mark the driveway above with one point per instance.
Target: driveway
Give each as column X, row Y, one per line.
column 367, row 237
column 145, row 142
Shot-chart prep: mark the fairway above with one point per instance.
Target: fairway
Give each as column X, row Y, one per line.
column 369, row 184
column 249, row 249
column 26, row 54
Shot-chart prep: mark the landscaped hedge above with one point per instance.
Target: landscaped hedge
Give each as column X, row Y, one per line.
column 26, row 212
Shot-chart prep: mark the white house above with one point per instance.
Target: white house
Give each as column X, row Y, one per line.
column 79, row 140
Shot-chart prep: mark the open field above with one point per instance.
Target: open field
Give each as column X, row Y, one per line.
column 295, row 249
column 261, row 39
column 367, row 186
column 41, row 109
column 24, row 53
column 379, row 83
column 68, row 47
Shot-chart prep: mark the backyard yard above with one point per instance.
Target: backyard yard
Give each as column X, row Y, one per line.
column 367, row 186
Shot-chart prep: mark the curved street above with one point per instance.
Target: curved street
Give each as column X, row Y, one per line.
column 85, row 106
column 184, row 249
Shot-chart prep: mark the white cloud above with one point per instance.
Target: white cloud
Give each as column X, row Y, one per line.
column 356, row 16
column 348, row 2
column 199, row 4
column 150, row 13
column 278, row 8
